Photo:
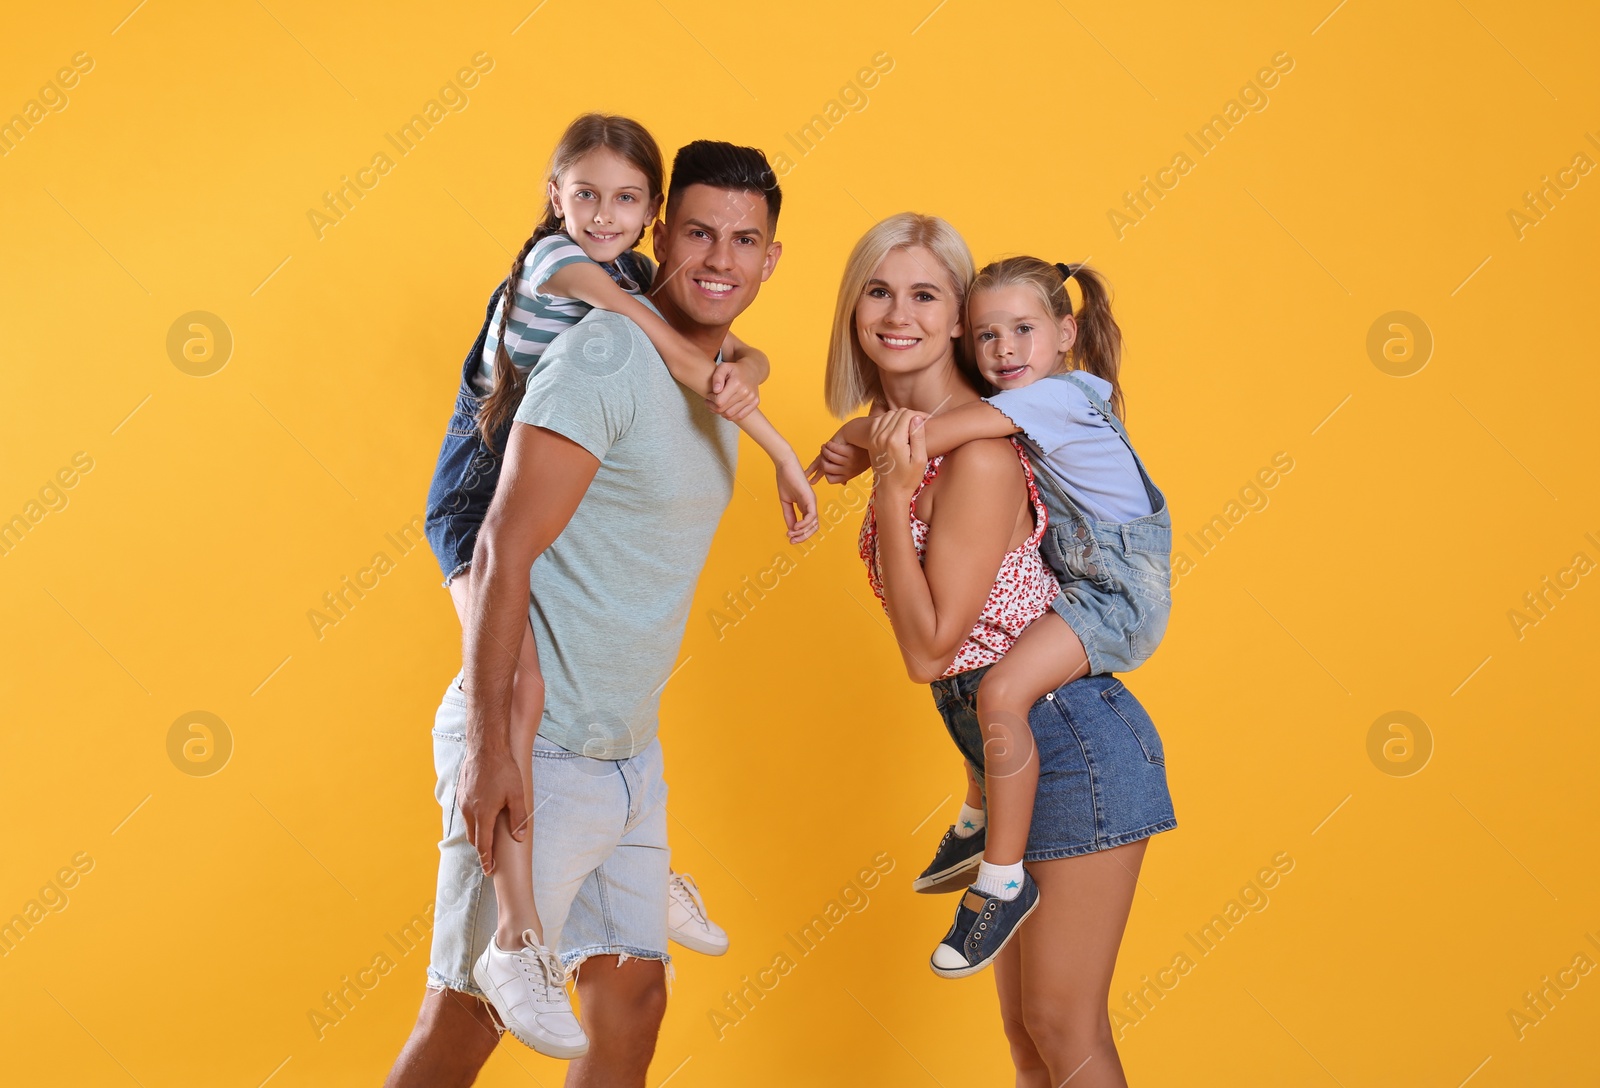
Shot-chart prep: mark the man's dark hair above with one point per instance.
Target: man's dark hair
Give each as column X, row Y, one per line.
column 726, row 166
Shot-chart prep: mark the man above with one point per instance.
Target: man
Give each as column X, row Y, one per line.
column 614, row 480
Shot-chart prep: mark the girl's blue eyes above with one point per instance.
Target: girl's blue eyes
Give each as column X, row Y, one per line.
column 985, row 336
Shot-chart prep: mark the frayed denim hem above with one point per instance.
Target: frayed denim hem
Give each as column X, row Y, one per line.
column 574, row 961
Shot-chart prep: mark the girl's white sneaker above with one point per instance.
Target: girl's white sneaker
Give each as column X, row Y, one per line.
column 528, row 989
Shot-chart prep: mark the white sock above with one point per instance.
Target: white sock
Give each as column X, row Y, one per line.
column 999, row 881
column 969, row 821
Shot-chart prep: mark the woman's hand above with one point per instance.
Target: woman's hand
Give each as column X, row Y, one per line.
column 898, row 450
column 838, row 462
column 798, row 501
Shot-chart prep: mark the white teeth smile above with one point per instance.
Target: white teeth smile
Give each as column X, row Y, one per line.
column 714, row 287
column 897, row 342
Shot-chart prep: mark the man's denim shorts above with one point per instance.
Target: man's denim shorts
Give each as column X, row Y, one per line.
column 601, row 867
column 1102, row 770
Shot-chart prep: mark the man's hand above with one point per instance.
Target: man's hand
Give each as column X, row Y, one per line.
column 733, row 394
column 490, row 784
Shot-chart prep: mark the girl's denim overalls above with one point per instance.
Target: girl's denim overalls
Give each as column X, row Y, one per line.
column 467, row 470
column 1116, row 587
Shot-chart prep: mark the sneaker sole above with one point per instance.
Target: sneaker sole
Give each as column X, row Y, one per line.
column 972, row 969
column 547, row 1048
column 697, row 944
column 950, row 880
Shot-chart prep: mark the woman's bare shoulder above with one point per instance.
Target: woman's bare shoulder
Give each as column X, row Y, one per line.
column 984, row 459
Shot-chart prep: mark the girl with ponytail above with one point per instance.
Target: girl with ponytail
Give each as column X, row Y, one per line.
column 604, row 188
column 1050, row 375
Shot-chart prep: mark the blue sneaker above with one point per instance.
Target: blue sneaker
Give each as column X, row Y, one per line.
column 982, row 928
column 954, row 861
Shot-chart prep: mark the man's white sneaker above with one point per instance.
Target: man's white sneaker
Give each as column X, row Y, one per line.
column 528, row 989
column 686, row 918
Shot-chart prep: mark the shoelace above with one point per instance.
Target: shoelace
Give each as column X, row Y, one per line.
column 533, row 953
column 683, row 882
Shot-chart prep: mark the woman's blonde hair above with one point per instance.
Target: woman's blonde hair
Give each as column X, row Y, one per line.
column 852, row 377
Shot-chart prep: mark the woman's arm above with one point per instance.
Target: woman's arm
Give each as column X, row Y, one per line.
column 933, row 604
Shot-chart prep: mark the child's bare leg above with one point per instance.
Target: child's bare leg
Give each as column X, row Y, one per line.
column 971, row 819
column 1003, row 894
column 513, row 871
column 1047, row 655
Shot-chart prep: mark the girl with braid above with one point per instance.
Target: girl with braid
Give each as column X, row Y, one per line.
column 604, row 187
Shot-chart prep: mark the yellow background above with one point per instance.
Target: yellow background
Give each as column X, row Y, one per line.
column 220, row 909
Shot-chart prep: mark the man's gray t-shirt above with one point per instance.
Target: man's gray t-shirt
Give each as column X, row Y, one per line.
column 611, row 595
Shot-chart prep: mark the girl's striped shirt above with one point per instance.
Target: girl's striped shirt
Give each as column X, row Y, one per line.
column 537, row 318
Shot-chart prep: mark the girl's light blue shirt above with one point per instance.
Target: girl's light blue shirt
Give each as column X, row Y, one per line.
column 1079, row 446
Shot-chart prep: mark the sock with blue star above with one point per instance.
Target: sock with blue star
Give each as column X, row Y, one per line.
column 999, row 881
column 969, row 821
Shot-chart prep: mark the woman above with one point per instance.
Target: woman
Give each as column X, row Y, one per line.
column 952, row 549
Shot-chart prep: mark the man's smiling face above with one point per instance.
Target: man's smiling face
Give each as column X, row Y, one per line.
column 715, row 250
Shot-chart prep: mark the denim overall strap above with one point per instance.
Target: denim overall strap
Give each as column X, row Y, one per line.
column 1158, row 501
column 1045, row 477
column 469, row 366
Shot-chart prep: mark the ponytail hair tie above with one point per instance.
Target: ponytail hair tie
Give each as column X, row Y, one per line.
column 1067, row 271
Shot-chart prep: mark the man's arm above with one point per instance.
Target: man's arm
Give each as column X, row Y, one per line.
column 735, row 350
column 543, row 480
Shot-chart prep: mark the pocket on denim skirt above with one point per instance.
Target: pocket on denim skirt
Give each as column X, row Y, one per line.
column 1132, row 712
